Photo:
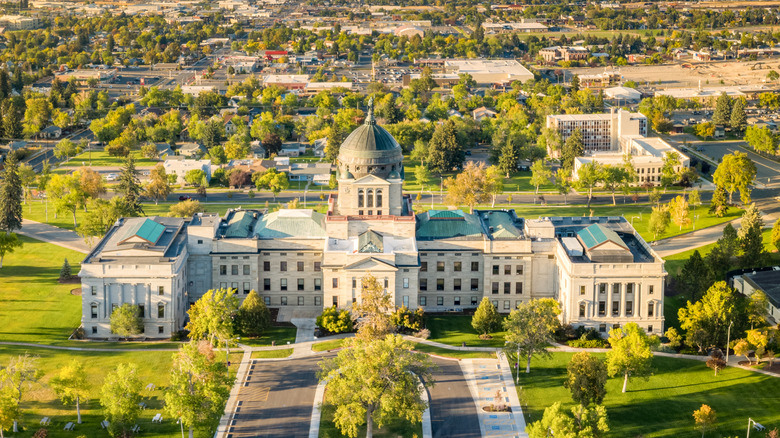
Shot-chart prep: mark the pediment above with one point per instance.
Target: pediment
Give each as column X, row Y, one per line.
column 372, row 264
column 371, row 180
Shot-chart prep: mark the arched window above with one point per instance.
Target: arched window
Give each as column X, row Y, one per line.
column 361, row 197
column 378, row 197
column 370, row 198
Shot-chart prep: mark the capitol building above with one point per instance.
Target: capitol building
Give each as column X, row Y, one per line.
column 599, row 269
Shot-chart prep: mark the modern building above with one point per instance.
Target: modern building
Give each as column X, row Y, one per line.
column 489, row 71
column 766, row 280
column 558, row 53
column 599, row 269
column 600, row 132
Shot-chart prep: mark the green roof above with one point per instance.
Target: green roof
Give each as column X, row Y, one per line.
column 291, row 223
column 240, row 225
column 597, row 234
column 503, row 227
column 147, row 230
column 445, row 224
column 371, row 241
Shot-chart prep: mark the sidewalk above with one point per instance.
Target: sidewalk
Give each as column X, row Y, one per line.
column 490, row 382
column 54, row 235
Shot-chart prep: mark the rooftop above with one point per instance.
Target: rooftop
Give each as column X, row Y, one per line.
column 301, row 224
column 769, row 282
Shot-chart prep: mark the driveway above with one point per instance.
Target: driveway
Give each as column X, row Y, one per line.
column 453, row 412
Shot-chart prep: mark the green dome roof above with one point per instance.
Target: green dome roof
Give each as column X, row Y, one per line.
column 370, row 149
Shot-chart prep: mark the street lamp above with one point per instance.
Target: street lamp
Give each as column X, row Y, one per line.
column 227, row 353
column 758, row 426
column 728, row 341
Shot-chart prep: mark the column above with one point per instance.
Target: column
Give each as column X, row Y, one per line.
column 622, row 300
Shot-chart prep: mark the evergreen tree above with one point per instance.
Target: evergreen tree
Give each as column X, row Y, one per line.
column 738, row 117
column 130, row 186
column 722, row 112
column 751, row 241
column 573, row 147
column 65, row 273
column 5, row 84
column 719, row 204
column 12, row 119
column 253, row 316
column 508, row 158
column 575, row 84
column 719, row 258
column 444, row 151
column 11, row 195
column 695, row 276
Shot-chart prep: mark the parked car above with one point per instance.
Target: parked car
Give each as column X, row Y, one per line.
column 184, row 198
column 112, row 177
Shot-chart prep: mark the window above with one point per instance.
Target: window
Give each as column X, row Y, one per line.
column 474, row 266
column 507, row 269
column 335, row 283
column 317, row 284
column 222, row 269
column 439, row 284
column 630, row 288
column 507, row 288
column 361, row 196
column 200, row 242
column 649, row 329
column 423, row 284
column 602, row 308
column 246, row 269
column 160, row 329
column 629, row 308
column 379, row 198
column 439, row 266
column 602, row 288
column 457, row 266
column 519, row 287
column 246, row 287
column 494, row 288
column 650, row 290
column 423, row 300
column 616, row 289
column 282, row 266
column 582, row 310
column 283, row 284
column 474, row 300
column 406, row 283
column 317, row 266
column 615, row 308
column 650, row 309
column 507, row 305
column 405, row 301
column 160, row 290
column 475, row 284
column 234, row 286
column 457, row 301
column 354, row 283
column 266, row 284
column 300, row 284
column 494, row 303
column 439, row 301
column 317, row 301
column 582, row 290
column 266, row 266
column 495, row 269
column 387, row 283
column 300, row 266
column 233, row 269
column 141, row 311
column 335, row 300
column 93, row 290
column 94, row 330
column 161, row 310
column 456, row 284
column 94, row 310
column 519, row 269
column 423, row 266
column 223, row 285
column 284, row 301
column 602, row 328
column 300, row 301
column 267, row 301
column 370, row 198
column 615, row 326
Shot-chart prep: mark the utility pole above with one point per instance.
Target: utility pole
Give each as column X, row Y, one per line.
column 728, row 341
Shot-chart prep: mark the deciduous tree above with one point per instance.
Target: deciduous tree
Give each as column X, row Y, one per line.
column 470, row 187
column 159, row 187
column 716, row 361
column 253, row 316
column 680, row 212
column 211, row 317
column 582, row 423
column 631, row 354
column 706, row 321
column 71, row 385
column 659, row 220
column 373, row 310
column 562, row 184
column 586, row 378
column 540, row 174
column 588, row 176
column 120, row 397
column 486, row 319
column 530, row 328
column 705, row 419
column 573, row 147
column 735, row 172
column 126, row 321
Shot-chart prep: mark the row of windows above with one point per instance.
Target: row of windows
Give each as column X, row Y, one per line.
column 366, row 198
column 223, row 269
column 300, row 266
column 283, row 301
column 456, row 266
column 160, row 329
column 422, row 300
column 93, row 290
column 603, row 328
column 630, row 288
column 457, row 284
column 616, row 309
column 508, row 269
column 141, row 310
column 507, row 287
column 300, row 282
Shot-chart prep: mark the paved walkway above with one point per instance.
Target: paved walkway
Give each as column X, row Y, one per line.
column 54, row 235
column 490, row 382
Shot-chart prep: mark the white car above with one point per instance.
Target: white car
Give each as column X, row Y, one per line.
column 112, row 177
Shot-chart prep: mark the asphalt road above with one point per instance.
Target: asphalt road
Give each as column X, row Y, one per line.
column 767, row 171
column 453, row 412
column 277, row 399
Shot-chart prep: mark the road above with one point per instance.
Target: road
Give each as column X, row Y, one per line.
column 453, row 412
column 767, row 171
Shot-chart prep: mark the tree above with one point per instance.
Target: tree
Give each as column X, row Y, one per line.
column 375, row 382
column 422, row 176
column 126, row 321
column 211, row 317
column 508, row 158
column 198, row 388
column 444, row 151
column 562, row 184
column 101, row 216
column 575, row 84
column 373, row 310
column 719, row 258
column 495, row 184
column 540, row 174
column 669, row 173
column 65, row 273
column 588, row 176
column 675, row 339
column 773, row 75
column 704, row 129
column 751, row 242
column 659, row 220
column 195, row 177
column 742, row 348
column 735, row 172
column 271, row 180
column 66, row 192
column 719, row 205
column 9, row 409
column 614, row 177
column 722, row 112
column 775, row 236
column 129, row 185
column 705, row 419
column 573, row 147
column 530, row 328
column 71, row 385
column 582, row 423
column 470, row 186
column 272, row 143
column 91, row 183
column 486, row 319
column 187, row 208
column 8, row 243
column 680, row 212
column 761, row 139
column 65, row 148
column 716, row 361
column 631, row 355
column 757, row 309
column 695, row 276
column 11, row 194
column 120, row 396
column 336, row 321
column 586, row 379
column 253, row 316
column 706, row 321
column 21, row 372
column 420, row 151
column 738, row 119
column 159, row 187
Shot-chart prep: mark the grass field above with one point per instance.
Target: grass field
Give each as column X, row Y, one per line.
column 101, row 158
column 272, row 354
column 395, row 428
column 663, row 405
column 281, row 334
column 456, row 329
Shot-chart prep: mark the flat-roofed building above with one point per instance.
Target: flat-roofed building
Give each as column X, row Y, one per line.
column 600, row 132
column 489, row 71
column 290, row 82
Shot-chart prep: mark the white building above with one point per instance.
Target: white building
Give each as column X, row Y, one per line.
column 766, row 280
column 489, row 71
column 600, row 132
column 181, row 167
column 599, row 269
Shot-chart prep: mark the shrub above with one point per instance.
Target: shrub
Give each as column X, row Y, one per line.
column 565, row 333
column 179, row 335
column 423, row 334
column 407, row 321
column 78, row 333
column 336, row 321
column 41, row 433
column 584, row 342
column 251, row 194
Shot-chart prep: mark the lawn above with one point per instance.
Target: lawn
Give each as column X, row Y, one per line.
column 281, row 334
column 456, row 329
column 393, row 429
column 101, row 158
column 272, row 354
column 328, row 345
column 663, row 405
column 520, row 181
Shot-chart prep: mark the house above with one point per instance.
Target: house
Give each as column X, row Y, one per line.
column 17, row 145
column 307, row 171
column 292, row 149
column 192, row 150
column 319, row 146
column 482, row 113
column 164, row 150
column 50, row 132
column 180, row 168
column 257, row 149
column 232, row 121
